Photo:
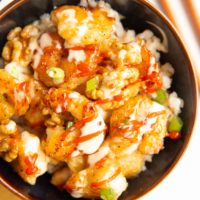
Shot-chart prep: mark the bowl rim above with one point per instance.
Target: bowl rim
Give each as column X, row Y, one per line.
column 16, row 3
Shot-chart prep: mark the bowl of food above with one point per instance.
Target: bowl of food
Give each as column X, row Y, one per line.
column 98, row 99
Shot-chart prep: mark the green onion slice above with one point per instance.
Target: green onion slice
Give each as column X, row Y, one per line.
column 91, row 84
column 176, row 124
column 161, row 96
column 69, row 124
column 56, row 73
column 107, row 194
column 126, row 121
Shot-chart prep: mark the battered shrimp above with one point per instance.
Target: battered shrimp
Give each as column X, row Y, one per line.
column 31, row 161
column 55, row 65
column 86, row 26
column 130, row 160
column 143, row 121
column 87, row 128
column 104, row 172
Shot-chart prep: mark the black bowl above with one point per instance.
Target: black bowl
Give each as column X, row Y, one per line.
column 137, row 15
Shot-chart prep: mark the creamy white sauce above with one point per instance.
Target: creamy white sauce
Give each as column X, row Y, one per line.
column 93, row 126
column 119, row 184
column 101, row 153
column 75, row 153
column 155, row 107
column 92, row 145
column 44, row 41
column 103, row 113
column 76, row 55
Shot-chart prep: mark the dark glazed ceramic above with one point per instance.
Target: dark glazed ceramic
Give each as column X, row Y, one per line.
column 137, row 13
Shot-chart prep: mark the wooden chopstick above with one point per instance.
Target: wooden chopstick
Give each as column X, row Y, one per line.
column 173, row 15
column 192, row 12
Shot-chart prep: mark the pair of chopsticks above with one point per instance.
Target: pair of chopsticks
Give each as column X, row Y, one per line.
column 185, row 16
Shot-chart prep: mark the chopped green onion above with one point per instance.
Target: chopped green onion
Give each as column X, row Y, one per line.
column 126, row 121
column 69, row 124
column 91, row 84
column 107, row 194
column 161, row 96
column 176, row 124
column 56, row 73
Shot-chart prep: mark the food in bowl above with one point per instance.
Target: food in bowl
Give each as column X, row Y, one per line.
column 85, row 100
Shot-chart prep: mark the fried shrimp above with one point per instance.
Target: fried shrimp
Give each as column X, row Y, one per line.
column 88, row 125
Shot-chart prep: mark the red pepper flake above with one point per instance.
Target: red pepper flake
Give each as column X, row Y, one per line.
column 30, row 163
column 174, row 135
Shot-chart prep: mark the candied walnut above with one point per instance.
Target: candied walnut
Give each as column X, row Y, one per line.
column 21, row 45
column 9, row 141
